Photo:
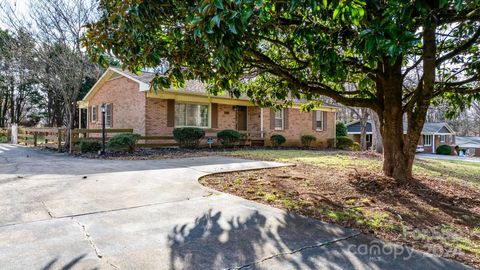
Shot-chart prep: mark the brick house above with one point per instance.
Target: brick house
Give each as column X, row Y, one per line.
column 131, row 104
column 433, row 134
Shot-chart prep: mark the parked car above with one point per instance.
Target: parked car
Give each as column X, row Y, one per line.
column 420, row 149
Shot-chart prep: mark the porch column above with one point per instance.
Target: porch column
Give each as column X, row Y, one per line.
column 79, row 117
column 433, row 144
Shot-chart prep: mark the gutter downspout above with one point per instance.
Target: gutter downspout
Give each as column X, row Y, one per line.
column 261, row 123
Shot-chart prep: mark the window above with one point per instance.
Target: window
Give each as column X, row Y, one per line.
column 108, row 115
column 427, row 140
column 94, row 113
column 191, row 115
column 442, row 138
column 279, row 119
column 369, row 138
column 318, row 120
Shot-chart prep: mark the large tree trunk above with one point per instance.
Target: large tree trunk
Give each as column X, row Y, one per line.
column 395, row 160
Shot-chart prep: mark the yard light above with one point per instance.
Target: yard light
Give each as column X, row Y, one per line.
column 104, row 135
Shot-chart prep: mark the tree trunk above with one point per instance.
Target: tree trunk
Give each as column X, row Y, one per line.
column 395, row 160
column 363, row 128
column 377, row 145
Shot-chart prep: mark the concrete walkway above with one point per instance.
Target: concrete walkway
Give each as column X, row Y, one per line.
column 59, row 212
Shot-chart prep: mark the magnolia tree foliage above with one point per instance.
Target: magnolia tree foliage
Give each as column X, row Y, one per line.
column 393, row 57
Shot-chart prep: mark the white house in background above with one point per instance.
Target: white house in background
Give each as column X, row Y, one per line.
column 433, row 134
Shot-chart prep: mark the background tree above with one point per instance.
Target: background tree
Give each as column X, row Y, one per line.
column 64, row 70
column 282, row 50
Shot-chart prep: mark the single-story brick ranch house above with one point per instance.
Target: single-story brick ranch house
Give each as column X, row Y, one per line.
column 433, row 134
column 131, row 103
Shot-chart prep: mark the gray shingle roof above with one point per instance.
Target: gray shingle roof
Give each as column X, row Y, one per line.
column 468, row 142
column 428, row 128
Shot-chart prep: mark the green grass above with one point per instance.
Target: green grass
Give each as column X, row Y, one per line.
column 446, row 169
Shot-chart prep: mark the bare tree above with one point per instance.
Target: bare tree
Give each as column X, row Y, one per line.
column 58, row 26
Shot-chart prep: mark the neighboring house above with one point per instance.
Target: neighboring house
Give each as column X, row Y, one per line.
column 470, row 143
column 131, row 104
column 433, row 134
column 354, row 131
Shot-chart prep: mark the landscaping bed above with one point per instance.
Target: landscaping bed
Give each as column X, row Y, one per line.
column 438, row 213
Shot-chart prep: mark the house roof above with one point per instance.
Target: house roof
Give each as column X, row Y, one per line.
column 355, row 127
column 428, row 128
column 467, row 142
column 194, row 87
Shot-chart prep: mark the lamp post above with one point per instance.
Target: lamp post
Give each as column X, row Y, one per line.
column 104, row 135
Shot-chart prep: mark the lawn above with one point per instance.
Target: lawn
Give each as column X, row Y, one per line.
column 438, row 212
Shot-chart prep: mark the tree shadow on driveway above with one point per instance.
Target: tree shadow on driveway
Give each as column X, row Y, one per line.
column 295, row 242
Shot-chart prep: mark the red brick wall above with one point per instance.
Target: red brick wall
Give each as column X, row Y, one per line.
column 128, row 105
column 300, row 123
column 226, row 117
column 156, row 117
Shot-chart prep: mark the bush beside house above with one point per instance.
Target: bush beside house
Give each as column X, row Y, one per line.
column 277, row 140
column 228, row 137
column 444, row 150
column 341, row 130
column 344, row 142
column 188, row 137
column 90, row 146
column 307, row 140
column 126, row 141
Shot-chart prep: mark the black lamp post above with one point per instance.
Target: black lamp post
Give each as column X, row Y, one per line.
column 104, row 135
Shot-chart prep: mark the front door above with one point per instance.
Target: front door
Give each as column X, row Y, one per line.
column 241, row 117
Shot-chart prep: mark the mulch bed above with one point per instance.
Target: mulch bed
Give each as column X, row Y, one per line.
column 428, row 214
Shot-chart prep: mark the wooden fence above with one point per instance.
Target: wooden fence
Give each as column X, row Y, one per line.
column 55, row 137
column 50, row 137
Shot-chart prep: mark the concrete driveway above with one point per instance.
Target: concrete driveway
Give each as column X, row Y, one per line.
column 59, row 212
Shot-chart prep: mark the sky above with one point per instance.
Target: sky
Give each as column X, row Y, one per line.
column 20, row 8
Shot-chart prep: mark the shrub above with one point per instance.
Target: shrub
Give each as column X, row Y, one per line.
column 124, row 141
column 90, row 146
column 344, row 142
column 228, row 137
column 341, row 129
column 188, row 137
column 444, row 150
column 277, row 140
column 355, row 147
column 307, row 140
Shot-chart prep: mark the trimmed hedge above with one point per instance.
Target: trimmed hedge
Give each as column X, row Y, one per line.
column 90, row 146
column 344, row 142
column 277, row 140
column 229, row 137
column 124, row 141
column 188, row 137
column 444, row 150
column 307, row 140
